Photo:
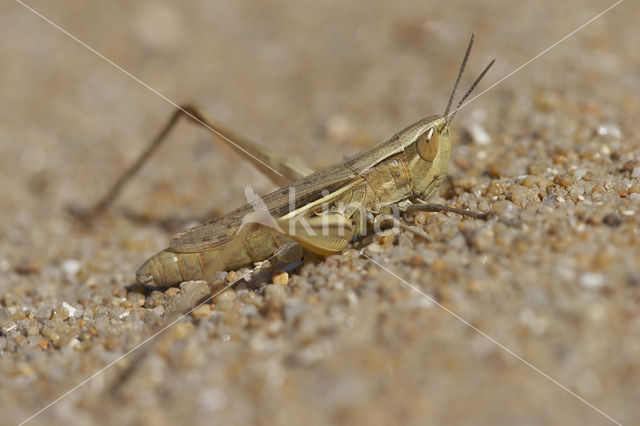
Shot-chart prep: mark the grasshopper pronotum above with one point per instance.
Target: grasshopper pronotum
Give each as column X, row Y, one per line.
column 331, row 205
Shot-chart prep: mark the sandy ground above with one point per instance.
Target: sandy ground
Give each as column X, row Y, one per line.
column 553, row 150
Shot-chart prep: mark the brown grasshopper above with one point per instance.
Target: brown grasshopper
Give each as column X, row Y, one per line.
column 319, row 211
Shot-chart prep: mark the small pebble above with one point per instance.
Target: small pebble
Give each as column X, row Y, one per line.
column 504, row 208
column 274, row 295
column 42, row 344
column 592, row 280
column 281, row 278
column 613, row 220
column 420, row 218
column 61, row 313
column 183, row 329
column 24, row 369
column 565, row 181
column 233, row 276
column 249, row 310
column 70, row 309
column 70, row 268
column 519, row 195
column 386, row 239
column 467, row 182
column 202, row 311
column 191, row 293
column 579, row 173
column 229, row 295
column 416, row 260
column 478, row 134
column 374, row 248
column 172, row 291
column 27, row 267
column 482, row 240
column 611, row 130
column 293, row 309
column 497, row 187
column 44, row 312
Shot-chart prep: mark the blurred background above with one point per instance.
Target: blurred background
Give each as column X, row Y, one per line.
column 316, row 81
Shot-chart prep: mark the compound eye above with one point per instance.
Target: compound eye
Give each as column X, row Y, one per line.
column 427, row 144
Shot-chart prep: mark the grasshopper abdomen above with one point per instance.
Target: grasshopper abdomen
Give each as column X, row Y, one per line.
column 169, row 267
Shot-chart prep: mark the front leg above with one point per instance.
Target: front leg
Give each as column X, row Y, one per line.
column 437, row 208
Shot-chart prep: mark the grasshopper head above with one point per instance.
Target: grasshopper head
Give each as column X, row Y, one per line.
column 429, row 153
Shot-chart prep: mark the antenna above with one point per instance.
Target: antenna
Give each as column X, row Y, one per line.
column 466, row 95
column 460, row 72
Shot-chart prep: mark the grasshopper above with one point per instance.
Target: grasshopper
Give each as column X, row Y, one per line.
column 320, row 211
